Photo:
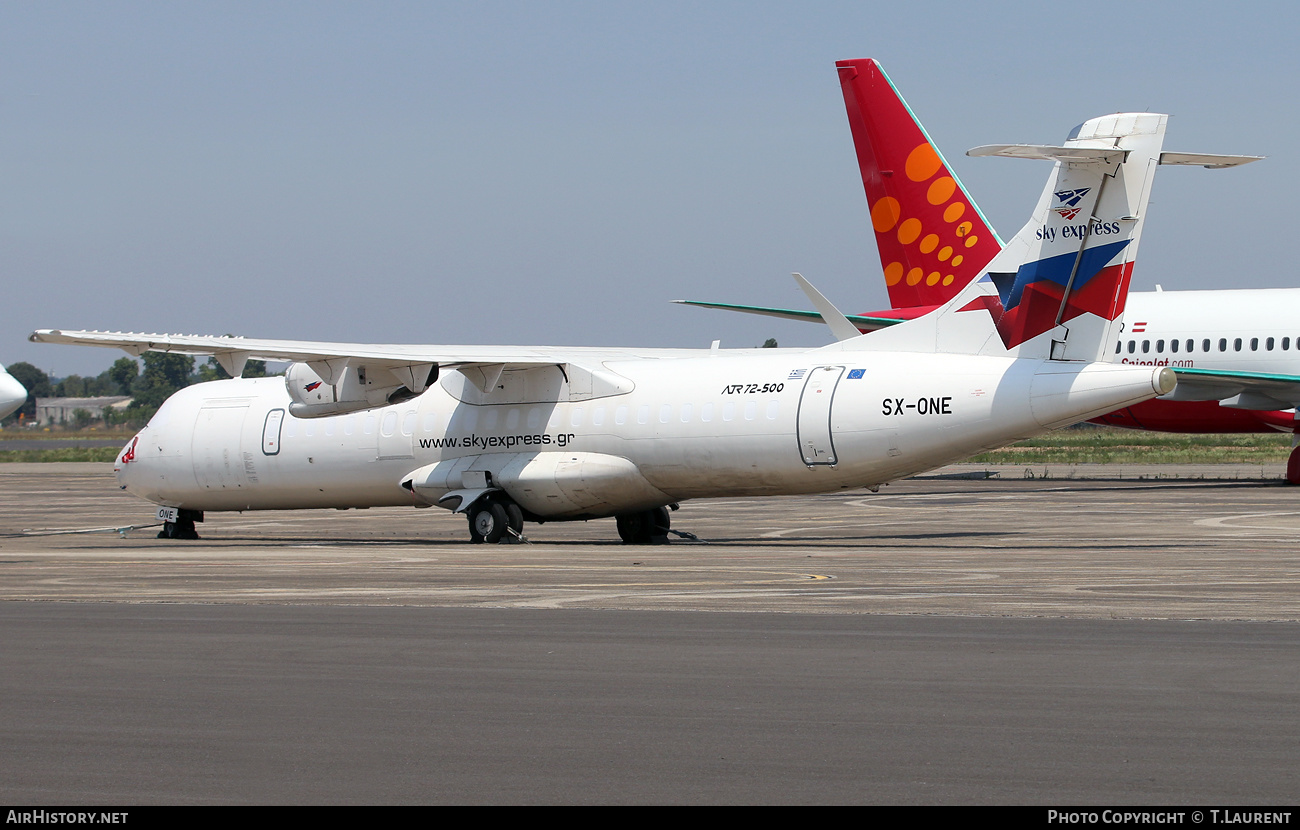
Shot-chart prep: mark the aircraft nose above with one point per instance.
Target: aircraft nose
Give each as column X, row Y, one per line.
column 125, row 464
column 12, row 393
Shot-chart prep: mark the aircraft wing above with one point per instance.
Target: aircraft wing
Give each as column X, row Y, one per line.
column 863, row 322
column 1240, row 390
column 408, row 362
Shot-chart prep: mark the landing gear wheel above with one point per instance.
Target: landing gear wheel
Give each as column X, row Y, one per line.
column 514, row 520
column 488, row 522
column 183, row 527
column 1293, row 467
column 649, row 527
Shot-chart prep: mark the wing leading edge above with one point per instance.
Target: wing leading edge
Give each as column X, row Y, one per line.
column 1239, row 390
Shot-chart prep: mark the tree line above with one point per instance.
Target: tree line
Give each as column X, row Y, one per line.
column 161, row 375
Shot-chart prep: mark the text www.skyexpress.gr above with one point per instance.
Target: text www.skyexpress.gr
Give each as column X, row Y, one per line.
column 484, row 442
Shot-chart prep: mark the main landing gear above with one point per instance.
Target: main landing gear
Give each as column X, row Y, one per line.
column 1293, row 462
column 496, row 518
column 493, row 520
column 649, row 527
column 183, row 527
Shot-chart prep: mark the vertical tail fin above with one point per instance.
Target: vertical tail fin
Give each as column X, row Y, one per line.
column 1067, row 272
column 931, row 236
column 1058, row 288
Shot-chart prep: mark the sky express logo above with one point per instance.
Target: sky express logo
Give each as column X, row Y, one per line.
column 1071, row 199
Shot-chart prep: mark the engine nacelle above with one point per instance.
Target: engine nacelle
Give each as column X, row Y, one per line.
column 358, row 387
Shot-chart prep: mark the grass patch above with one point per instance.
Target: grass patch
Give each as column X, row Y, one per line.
column 66, row 454
column 1110, row 445
column 15, row 434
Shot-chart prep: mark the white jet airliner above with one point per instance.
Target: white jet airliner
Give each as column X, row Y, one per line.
column 507, row 434
column 1236, row 351
column 12, row 393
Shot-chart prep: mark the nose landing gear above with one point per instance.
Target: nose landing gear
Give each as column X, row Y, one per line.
column 183, row 526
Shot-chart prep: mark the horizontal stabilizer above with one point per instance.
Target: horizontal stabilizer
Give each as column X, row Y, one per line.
column 1209, row 161
column 1075, row 155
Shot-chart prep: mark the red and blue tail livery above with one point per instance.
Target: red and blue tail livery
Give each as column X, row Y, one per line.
column 1034, row 299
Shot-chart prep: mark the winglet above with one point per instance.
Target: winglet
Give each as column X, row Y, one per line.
column 840, row 325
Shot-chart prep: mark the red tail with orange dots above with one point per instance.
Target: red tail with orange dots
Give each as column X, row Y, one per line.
column 930, row 234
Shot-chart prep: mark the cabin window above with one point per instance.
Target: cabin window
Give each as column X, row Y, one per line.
column 643, row 414
column 430, row 421
column 535, row 417
column 1236, row 344
column 686, row 413
column 349, row 424
column 368, row 426
column 408, row 423
column 597, row 417
column 1173, row 345
column 1268, row 344
column 309, row 428
column 490, row 421
column 1190, row 343
column 575, row 417
column 512, row 418
column 751, row 411
column 387, row 428
column 728, row 410
column 773, row 407
column 665, row 413
column 330, row 424
column 1254, row 344
column 620, row 415
column 1132, row 346
column 1119, row 344
column 1146, row 346
column 1223, row 344
column 1205, row 345
column 706, row 412
column 1160, row 347
column 1286, row 344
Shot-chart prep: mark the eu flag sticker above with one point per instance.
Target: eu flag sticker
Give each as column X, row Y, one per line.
column 854, row 374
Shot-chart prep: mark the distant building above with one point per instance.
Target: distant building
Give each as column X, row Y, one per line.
column 54, row 411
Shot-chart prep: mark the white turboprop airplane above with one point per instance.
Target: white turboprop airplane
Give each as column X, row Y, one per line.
column 507, row 434
column 12, row 393
column 1236, row 351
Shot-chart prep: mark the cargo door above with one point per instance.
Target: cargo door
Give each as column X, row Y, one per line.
column 816, row 444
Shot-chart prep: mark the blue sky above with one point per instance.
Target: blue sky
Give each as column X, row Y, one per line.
column 555, row 173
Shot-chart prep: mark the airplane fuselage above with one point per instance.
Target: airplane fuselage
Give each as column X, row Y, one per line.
column 760, row 422
column 1252, row 330
column 1245, row 330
